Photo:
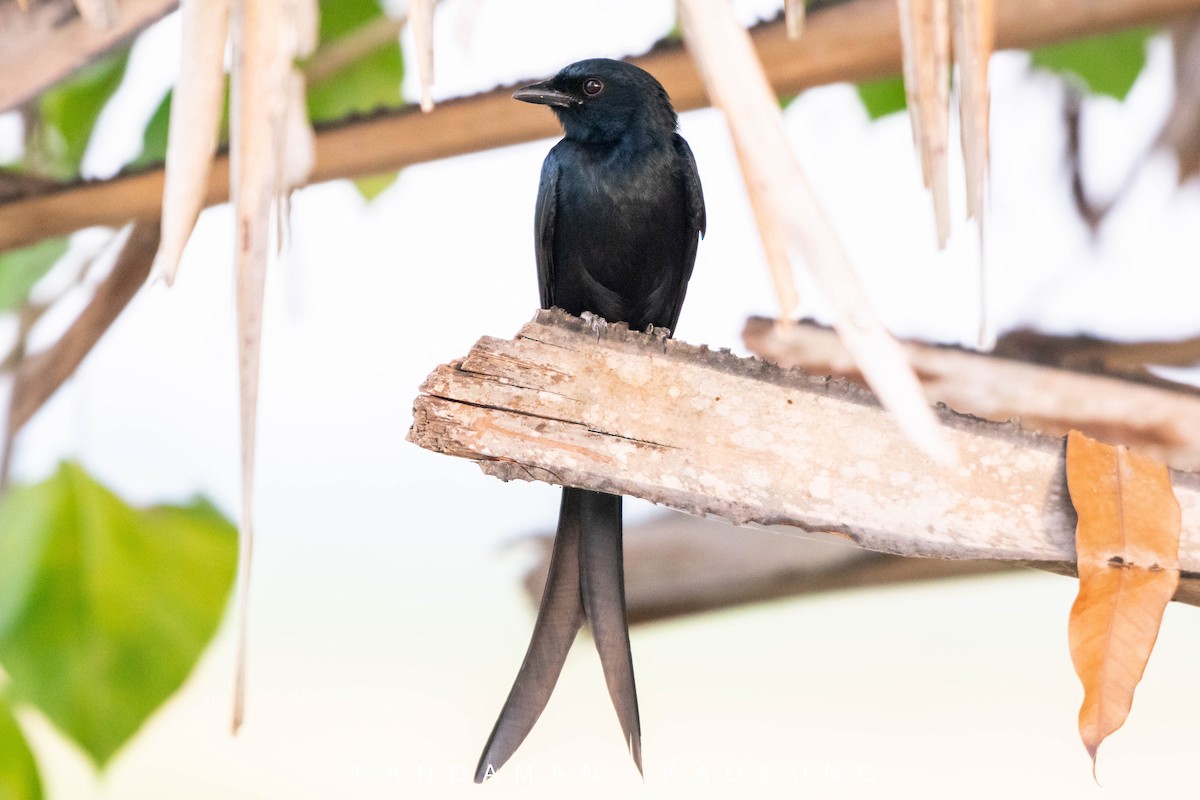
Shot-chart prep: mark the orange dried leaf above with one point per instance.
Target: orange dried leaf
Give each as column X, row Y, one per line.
column 1127, row 545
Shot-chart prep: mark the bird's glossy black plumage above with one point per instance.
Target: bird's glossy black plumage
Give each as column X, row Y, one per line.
column 618, row 218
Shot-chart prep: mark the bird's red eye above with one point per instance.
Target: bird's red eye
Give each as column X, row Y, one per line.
column 592, row 87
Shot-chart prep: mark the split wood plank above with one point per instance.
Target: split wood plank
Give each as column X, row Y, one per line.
column 582, row 403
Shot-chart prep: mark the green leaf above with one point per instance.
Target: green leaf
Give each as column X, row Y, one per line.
column 882, row 97
column 67, row 113
column 154, row 136
column 1102, row 64
column 372, row 186
column 371, row 82
column 19, row 778
column 21, row 269
column 105, row 608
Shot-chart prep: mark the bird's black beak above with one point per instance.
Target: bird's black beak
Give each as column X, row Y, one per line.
column 545, row 94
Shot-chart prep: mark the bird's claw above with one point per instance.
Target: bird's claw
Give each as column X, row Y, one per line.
column 662, row 334
column 598, row 323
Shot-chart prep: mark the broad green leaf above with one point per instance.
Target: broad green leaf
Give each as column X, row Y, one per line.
column 882, row 97
column 369, row 83
column 154, row 136
column 19, row 778
column 67, row 113
column 105, row 608
column 372, row 186
column 1102, row 64
column 21, row 269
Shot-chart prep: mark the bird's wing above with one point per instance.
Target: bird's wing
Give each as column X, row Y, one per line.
column 697, row 219
column 547, row 209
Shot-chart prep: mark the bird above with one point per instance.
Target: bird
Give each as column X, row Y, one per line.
column 618, row 218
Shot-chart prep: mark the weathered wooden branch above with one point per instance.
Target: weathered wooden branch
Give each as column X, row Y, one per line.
column 849, row 41
column 582, row 403
column 46, row 43
column 678, row 564
column 1100, row 356
column 1160, row 419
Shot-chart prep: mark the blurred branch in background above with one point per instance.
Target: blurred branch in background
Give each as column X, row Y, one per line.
column 1181, row 133
column 38, row 376
column 45, row 44
column 851, row 41
column 678, row 564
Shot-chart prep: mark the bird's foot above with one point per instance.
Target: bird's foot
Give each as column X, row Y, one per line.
column 662, row 334
column 598, row 323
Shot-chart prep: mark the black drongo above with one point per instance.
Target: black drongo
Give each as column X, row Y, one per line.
column 619, row 215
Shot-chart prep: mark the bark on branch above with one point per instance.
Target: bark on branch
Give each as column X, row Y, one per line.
column 582, row 403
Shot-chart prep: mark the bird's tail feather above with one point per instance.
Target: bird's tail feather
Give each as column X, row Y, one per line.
column 559, row 618
column 603, row 587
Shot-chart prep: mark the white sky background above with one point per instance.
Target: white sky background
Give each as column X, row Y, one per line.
column 388, row 622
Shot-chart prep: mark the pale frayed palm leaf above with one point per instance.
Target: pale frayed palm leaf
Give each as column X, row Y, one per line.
column 736, row 83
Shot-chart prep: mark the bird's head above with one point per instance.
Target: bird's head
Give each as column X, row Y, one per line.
column 602, row 100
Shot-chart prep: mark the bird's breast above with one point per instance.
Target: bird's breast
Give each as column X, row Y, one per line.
column 619, row 240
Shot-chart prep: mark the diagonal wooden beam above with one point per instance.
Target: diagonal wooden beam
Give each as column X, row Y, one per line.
column 845, row 42
column 677, row 564
column 40, row 375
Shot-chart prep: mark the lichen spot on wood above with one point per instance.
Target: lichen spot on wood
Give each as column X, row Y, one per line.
column 635, row 372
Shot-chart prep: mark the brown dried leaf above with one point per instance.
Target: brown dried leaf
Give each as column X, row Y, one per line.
column 1181, row 131
column 974, row 40
column 735, row 80
column 1127, row 543
column 99, row 14
column 267, row 158
column 793, row 17
column 195, row 122
column 925, row 40
column 420, row 16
